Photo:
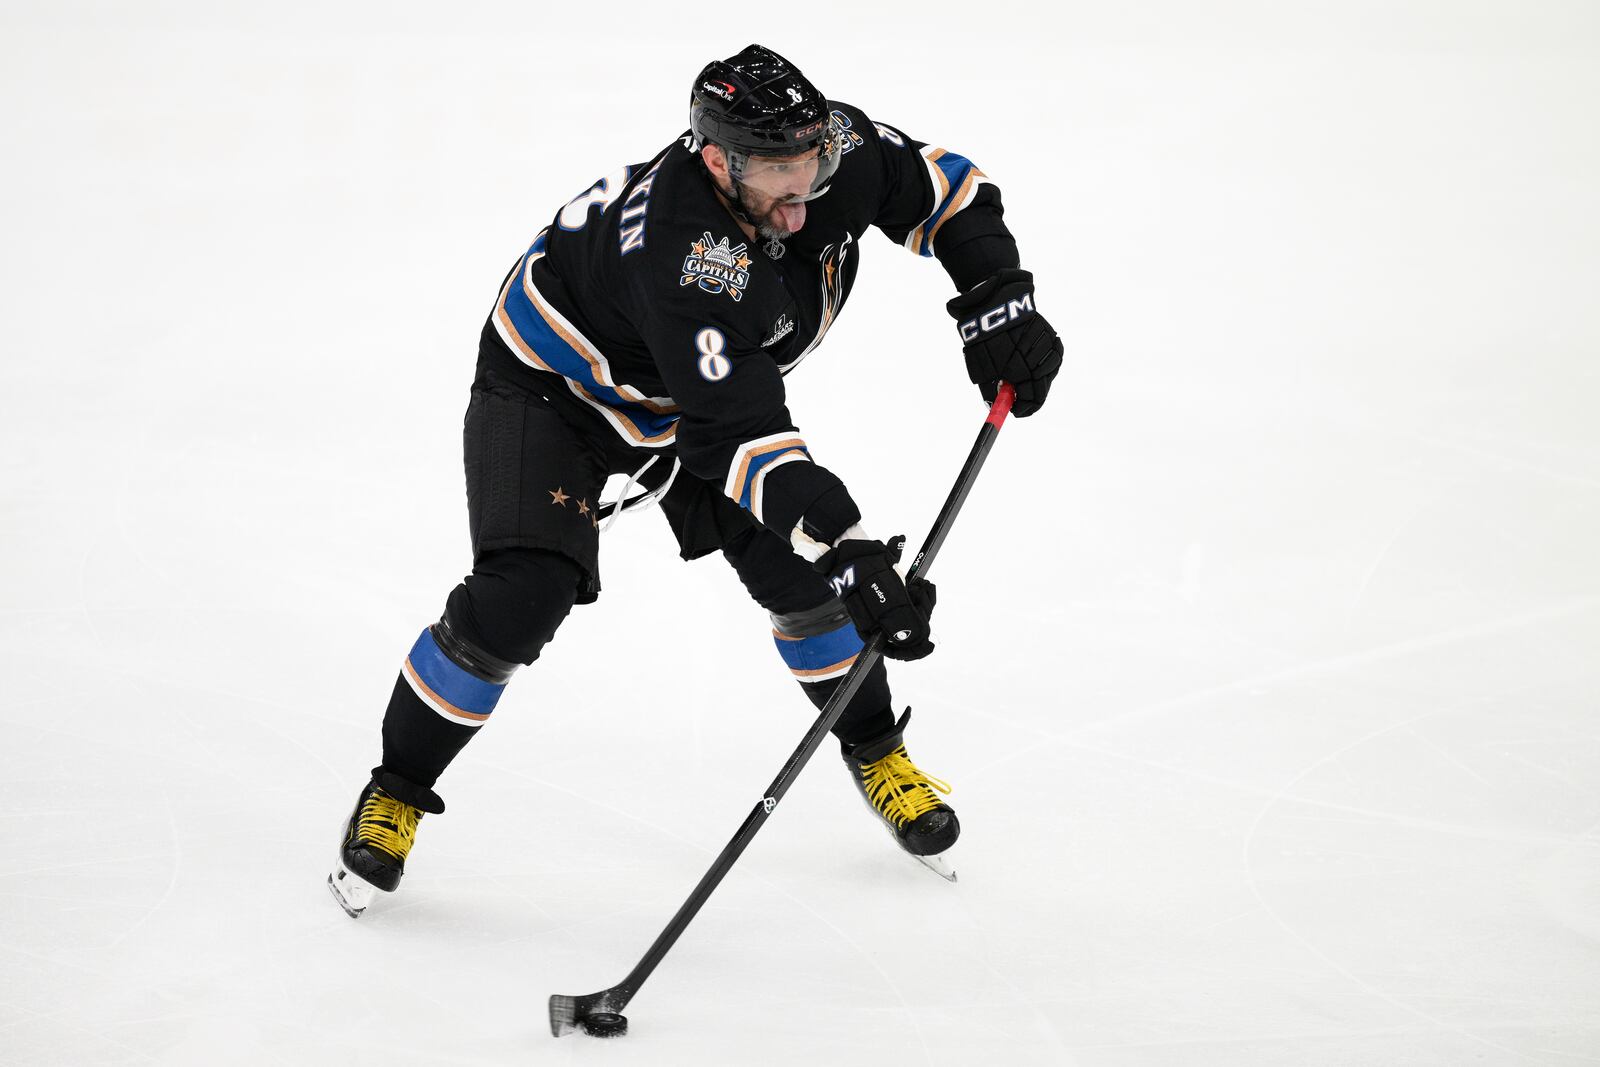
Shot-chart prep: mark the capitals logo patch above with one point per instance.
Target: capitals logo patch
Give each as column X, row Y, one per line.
column 715, row 267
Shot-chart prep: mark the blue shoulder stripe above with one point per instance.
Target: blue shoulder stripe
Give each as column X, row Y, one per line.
column 541, row 337
column 958, row 174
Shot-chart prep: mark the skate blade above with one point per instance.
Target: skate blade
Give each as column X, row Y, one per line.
column 937, row 865
column 352, row 891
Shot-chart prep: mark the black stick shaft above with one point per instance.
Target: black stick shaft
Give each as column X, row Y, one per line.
column 619, row 995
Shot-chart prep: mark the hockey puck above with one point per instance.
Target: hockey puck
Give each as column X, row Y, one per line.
column 604, row 1024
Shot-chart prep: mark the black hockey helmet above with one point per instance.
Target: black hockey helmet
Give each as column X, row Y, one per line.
column 757, row 104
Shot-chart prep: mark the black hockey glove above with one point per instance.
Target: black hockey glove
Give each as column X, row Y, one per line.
column 1007, row 340
column 863, row 576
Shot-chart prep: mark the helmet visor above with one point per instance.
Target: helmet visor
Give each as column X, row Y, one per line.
column 797, row 176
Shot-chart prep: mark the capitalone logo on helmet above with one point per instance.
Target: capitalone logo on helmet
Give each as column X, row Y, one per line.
column 714, row 266
column 722, row 89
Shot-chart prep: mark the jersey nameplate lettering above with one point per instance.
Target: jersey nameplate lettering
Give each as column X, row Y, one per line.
column 630, row 228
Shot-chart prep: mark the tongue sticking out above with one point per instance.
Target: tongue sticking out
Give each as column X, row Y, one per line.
column 793, row 216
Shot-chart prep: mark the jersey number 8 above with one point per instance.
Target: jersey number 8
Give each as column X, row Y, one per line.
column 714, row 366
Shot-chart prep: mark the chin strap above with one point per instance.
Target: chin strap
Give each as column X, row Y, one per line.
column 773, row 247
column 736, row 202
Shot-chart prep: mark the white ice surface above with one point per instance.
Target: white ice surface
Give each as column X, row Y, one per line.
column 1267, row 674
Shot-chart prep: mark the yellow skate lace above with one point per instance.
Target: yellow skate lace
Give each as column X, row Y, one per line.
column 388, row 824
column 899, row 789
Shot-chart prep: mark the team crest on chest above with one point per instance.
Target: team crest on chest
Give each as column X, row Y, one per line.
column 715, row 266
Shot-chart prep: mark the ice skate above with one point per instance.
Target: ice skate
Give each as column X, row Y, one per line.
column 377, row 839
column 905, row 797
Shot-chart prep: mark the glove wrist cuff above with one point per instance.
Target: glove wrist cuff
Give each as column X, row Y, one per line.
column 997, row 303
column 980, row 292
column 811, row 549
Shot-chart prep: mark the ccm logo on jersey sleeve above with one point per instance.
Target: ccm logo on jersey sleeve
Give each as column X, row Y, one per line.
column 996, row 318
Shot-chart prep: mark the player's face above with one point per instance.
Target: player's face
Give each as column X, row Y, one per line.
column 773, row 188
column 782, row 177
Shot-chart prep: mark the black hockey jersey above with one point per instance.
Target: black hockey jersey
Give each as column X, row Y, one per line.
column 643, row 307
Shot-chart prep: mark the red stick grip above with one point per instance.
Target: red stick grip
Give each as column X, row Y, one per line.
column 1004, row 398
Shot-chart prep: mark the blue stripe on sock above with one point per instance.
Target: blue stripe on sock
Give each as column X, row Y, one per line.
column 452, row 682
column 820, row 650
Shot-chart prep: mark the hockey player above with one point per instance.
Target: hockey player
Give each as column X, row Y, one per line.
column 650, row 325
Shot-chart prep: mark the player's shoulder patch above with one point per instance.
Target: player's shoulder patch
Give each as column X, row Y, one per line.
column 846, row 111
column 860, row 127
column 850, row 137
column 866, row 127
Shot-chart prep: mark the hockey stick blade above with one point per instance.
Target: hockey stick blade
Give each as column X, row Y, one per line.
column 567, row 1012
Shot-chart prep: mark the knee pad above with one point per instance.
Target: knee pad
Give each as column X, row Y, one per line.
column 509, row 608
column 819, row 646
column 774, row 576
column 469, row 656
column 825, row 617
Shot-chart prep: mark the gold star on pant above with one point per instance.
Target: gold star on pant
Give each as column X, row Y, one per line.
column 583, row 507
column 558, row 497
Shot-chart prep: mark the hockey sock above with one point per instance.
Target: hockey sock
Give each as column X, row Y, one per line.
column 819, row 647
column 513, row 602
column 868, row 713
column 445, row 692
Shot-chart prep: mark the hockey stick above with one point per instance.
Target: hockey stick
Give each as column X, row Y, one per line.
column 600, row 1013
